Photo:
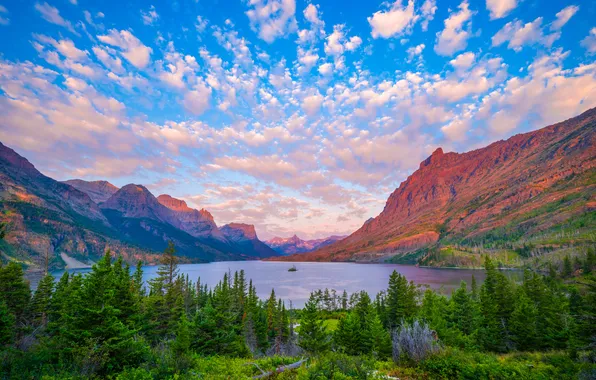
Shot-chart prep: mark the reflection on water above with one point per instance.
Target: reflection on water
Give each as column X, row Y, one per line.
column 296, row 286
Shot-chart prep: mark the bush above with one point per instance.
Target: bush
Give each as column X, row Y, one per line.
column 455, row 364
column 414, row 342
column 338, row 367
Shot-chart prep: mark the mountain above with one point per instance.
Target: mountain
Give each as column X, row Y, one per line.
column 80, row 220
column 292, row 245
column 245, row 238
column 521, row 195
column 98, row 191
column 198, row 223
column 46, row 216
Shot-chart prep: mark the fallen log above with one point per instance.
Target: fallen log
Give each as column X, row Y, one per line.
column 280, row 369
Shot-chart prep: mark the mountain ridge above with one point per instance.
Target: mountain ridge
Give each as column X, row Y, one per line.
column 463, row 198
column 51, row 217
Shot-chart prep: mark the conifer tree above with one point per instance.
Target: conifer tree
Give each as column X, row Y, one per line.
column 348, row 336
column 271, row 315
column 523, row 322
column 401, row 300
column 41, row 301
column 380, row 339
column 14, row 291
column 344, row 300
column 463, row 315
column 181, row 343
column 313, row 337
column 7, row 325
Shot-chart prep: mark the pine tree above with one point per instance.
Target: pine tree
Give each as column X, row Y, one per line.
column 181, row 344
column 7, row 325
column 401, row 300
column 41, row 301
column 344, row 300
column 380, row 339
column 348, row 336
column 271, row 315
column 523, row 322
column 313, row 337
column 14, row 291
column 168, row 270
column 462, row 310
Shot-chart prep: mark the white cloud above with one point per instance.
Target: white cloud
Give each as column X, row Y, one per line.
column 201, row 24
column 548, row 94
column 312, row 104
column 132, row 48
column 428, row 9
column 590, row 41
column 74, row 2
column 500, row 8
column 52, row 15
column 150, row 16
column 564, row 16
column 335, row 41
column 353, row 43
column 69, row 50
column 457, row 31
column 4, row 20
column 396, row 21
column 456, row 129
column 415, row 51
column 463, row 61
column 272, row 18
column 520, row 35
column 198, row 100
column 317, row 26
column 326, row 69
column 110, row 61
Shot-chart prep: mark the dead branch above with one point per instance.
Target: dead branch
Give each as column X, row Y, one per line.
column 281, row 369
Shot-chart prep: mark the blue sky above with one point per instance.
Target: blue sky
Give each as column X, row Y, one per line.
column 298, row 117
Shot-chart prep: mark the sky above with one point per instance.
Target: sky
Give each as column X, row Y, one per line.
column 295, row 116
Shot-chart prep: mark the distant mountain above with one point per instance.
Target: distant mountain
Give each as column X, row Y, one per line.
column 98, row 191
column 47, row 216
column 536, row 189
column 245, row 238
column 292, row 245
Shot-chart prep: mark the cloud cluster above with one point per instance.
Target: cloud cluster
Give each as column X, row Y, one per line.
column 311, row 141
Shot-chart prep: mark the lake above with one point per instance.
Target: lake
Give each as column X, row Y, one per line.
column 296, row 286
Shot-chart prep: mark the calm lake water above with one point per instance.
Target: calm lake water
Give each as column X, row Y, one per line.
column 296, row 286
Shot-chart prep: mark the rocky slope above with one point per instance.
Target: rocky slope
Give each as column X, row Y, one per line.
column 507, row 194
column 292, row 245
column 244, row 236
column 98, row 191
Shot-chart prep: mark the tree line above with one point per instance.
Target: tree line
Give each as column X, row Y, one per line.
column 106, row 321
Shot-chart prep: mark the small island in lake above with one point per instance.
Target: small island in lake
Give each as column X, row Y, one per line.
column 293, row 269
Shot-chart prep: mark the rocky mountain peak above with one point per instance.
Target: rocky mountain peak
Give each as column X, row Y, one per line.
column 173, row 203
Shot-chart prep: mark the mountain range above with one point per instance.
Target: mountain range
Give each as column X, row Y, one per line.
column 524, row 196
column 292, row 245
column 82, row 219
column 532, row 193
